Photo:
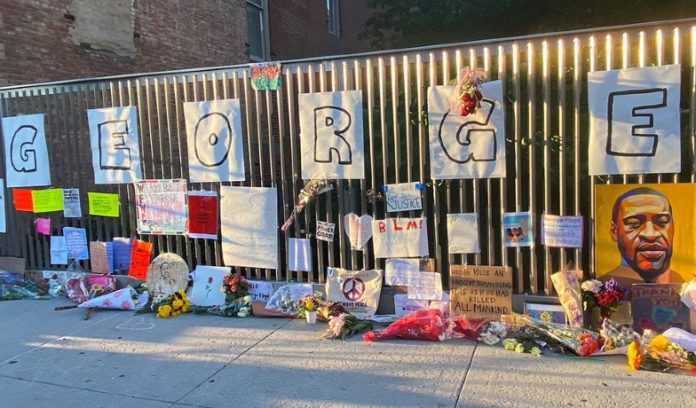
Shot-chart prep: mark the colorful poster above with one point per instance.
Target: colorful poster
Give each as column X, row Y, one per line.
column 518, row 229
column 358, row 229
column 266, row 76
column 400, row 237
column 331, row 135
column 658, row 307
column 463, row 233
column 403, row 197
column 48, row 200
column 3, row 225
column 325, row 231
column 207, row 285
column 214, row 136
column 644, row 233
column 162, row 206
column 22, row 199
column 59, row 251
column 634, row 120
column 103, row 204
column 26, row 153
column 471, row 146
column 203, row 214
column 71, row 203
column 76, row 242
column 43, row 226
column 250, row 229
column 299, row 255
column 115, row 145
column 141, row 253
column 122, row 253
column 561, row 231
column 480, row 290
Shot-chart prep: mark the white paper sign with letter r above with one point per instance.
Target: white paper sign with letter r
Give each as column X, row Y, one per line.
column 115, row 146
column 26, row 154
column 214, row 138
column 471, row 146
column 331, row 135
column 634, row 121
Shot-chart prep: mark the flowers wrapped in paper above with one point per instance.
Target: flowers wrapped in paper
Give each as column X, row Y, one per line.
column 466, row 95
column 122, row 299
column 311, row 190
column 569, row 294
column 655, row 352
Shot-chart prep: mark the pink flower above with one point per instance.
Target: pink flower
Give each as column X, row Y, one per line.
column 336, row 323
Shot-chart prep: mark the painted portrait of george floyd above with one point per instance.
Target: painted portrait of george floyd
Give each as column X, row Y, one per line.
column 644, row 233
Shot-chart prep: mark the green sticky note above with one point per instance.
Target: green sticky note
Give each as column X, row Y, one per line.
column 103, row 204
column 47, row 200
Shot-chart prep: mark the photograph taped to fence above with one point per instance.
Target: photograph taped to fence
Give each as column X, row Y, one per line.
column 115, row 146
column 331, row 135
column 634, row 121
column 26, row 154
column 214, row 138
column 471, row 146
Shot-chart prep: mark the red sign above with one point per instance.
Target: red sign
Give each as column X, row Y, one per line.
column 22, row 199
column 203, row 214
column 140, row 259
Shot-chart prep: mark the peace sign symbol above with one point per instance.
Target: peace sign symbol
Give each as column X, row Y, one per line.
column 353, row 288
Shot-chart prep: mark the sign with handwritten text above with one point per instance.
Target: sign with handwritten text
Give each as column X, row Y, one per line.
column 403, row 197
column 400, row 237
column 480, row 290
column 103, row 204
column 162, row 206
column 561, row 231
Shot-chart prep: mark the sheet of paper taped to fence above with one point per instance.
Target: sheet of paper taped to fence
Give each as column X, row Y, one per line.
column 400, row 237
column 402, row 272
column 403, row 197
column 429, row 287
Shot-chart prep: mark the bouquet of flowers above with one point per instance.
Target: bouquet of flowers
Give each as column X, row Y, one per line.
column 602, row 297
column 615, row 338
column 240, row 307
column 467, row 95
column 424, row 324
column 345, row 325
column 309, row 303
column 311, row 190
column 580, row 341
column 655, row 352
column 526, row 346
column 172, row 305
column 235, row 286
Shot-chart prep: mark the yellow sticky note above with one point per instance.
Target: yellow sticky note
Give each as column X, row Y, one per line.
column 47, row 200
column 103, row 204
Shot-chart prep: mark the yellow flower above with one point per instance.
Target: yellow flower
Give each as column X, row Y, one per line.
column 659, row 343
column 633, row 355
column 164, row 311
column 178, row 304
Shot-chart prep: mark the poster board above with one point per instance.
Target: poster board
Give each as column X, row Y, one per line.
column 26, row 152
column 115, row 145
column 162, row 206
column 484, row 291
column 658, row 307
column 400, row 237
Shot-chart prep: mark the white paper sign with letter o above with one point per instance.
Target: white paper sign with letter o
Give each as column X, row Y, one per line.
column 115, row 145
column 331, row 135
column 214, row 138
column 634, row 121
column 471, row 146
column 26, row 154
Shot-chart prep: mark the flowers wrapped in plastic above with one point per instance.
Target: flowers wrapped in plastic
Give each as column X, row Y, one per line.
column 424, row 324
column 601, row 298
column 655, row 352
column 235, row 286
column 467, row 96
column 345, row 325
column 172, row 305
column 122, row 299
column 311, row 190
column 580, row 341
column 615, row 338
column 240, row 307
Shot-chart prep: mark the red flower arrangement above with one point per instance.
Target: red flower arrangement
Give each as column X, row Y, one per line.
column 467, row 93
column 235, row 286
column 604, row 296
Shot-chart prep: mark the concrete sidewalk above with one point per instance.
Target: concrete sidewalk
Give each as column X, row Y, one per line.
column 116, row 359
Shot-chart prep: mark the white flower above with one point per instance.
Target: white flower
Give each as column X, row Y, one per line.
column 592, row 285
column 247, row 299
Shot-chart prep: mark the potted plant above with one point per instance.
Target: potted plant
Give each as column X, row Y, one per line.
column 308, row 306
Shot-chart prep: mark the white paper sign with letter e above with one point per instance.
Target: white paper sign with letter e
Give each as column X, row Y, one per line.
column 115, row 145
column 26, row 154
column 331, row 135
column 471, row 146
column 463, row 233
column 634, row 120
column 400, row 237
column 249, row 226
column 214, row 138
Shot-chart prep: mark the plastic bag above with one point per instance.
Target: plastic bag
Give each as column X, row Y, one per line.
column 426, row 324
column 616, row 337
column 467, row 328
column 285, row 299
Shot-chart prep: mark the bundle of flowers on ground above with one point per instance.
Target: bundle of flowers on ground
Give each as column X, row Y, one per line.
column 345, row 325
column 235, row 286
column 580, row 341
column 655, row 352
column 309, row 303
column 425, row 324
column 172, row 305
column 240, row 307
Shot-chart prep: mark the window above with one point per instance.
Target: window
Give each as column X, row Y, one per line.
column 257, row 29
column 334, row 17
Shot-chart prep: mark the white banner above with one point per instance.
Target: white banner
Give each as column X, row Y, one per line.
column 115, row 145
column 471, row 146
column 26, row 153
column 634, row 120
column 249, row 226
column 357, row 291
column 400, row 237
column 214, row 138
column 331, row 135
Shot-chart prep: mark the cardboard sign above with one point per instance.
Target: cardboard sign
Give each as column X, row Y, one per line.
column 357, row 291
column 22, row 199
column 403, row 197
column 325, row 231
column 358, row 229
column 26, row 153
column 122, row 253
column 102, row 257
column 480, row 290
column 71, row 203
column 162, row 206
column 658, row 306
column 76, row 242
column 260, row 291
column 103, row 204
column 207, row 285
column 203, row 214
column 141, row 253
column 47, row 200
column 463, row 233
column 115, row 145
column 561, row 231
column 400, row 237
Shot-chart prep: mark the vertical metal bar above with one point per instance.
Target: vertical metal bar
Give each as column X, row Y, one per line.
column 475, row 182
column 362, row 187
column 517, row 117
column 659, row 54
column 531, row 129
column 432, row 70
column 292, row 129
column 339, row 185
column 183, row 245
column 641, row 63
column 422, row 129
column 502, row 76
column 593, row 180
column 676, row 58
column 394, row 80
column 272, row 159
column 546, row 95
column 286, row 178
column 321, row 246
column 562, row 139
column 489, row 182
column 369, row 77
column 577, row 67
column 352, row 194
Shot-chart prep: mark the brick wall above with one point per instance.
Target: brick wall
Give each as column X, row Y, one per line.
column 37, row 42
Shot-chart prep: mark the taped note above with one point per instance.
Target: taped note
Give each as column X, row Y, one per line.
column 48, row 200
column 71, row 203
column 59, row 251
column 103, row 204
column 561, row 231
column 403, row 197
column 463, row 233
column 76, row 242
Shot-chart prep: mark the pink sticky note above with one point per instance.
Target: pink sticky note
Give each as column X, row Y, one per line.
column 43, row 225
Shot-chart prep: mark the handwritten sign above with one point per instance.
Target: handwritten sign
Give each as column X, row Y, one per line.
column 3, row 227
column 203, row 214
column 47, row 200
column 162, row 206
column 480, row 290
column 400, row 237
column 463, row 233
column 299, row 255
column 71, row 203
column 561, row 231
column 43, row 226
column 401, row 272
column 260, row 291
column 76, row 242
column 403, row 197
column 103, row 204
column 140, row 259
column 265, row 76
column 358, row 229
column 429, row 287
column 658, row 306
column 22, row 200
column 102, row 257
column 59, row 251
column 122, row 253
column 325, row 231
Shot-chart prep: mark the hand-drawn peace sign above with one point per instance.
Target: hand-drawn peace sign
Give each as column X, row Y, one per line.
column 353, row 288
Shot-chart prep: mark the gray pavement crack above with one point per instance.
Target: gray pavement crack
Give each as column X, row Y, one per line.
column 465, row 375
